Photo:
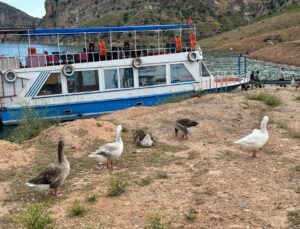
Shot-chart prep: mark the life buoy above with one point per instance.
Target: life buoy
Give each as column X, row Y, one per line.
column 10, row 76
column 192, row 56
column 68, row 70
column 137, row 62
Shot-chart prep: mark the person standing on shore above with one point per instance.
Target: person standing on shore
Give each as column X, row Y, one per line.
column 282, row 77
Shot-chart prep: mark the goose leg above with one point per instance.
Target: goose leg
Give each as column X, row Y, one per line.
column 253, row 153
column 55, row 193
column 184, row 136
column 176, row 132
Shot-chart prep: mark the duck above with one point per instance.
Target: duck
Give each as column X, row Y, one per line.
column 184, row 125
column 111, row 151
column 142, row 139
column 53, row 176
column 257, row 139
column 294, row 83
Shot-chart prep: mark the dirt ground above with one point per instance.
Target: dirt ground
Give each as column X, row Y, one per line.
column 204, row 182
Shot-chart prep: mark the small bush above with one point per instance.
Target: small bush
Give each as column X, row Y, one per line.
column 77, row 209
column 30, row 126
column 145, row 181
column 294, row 218
column 91, row 199
column 297, row 168
column 266, row 98
column 36, row 216
column 155, row 222
column 191, row 216
column 162, row 175
column 296, row 135
column 116, row 187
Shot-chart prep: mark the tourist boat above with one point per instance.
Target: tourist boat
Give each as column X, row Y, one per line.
column 118, row 68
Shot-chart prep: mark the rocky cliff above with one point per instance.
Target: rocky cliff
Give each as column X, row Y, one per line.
column 211, row 16
column 11, row 17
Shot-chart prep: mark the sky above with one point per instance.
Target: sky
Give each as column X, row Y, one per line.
column 34, row 8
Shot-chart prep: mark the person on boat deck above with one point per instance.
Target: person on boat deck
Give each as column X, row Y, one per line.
column 282, row 77
column 189, row 20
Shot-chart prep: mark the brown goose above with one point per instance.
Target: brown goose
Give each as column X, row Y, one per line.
column 183, row 125
column 142, row 139
column 53, row 176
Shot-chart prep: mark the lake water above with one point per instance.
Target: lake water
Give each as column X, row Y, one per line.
column 219, row 63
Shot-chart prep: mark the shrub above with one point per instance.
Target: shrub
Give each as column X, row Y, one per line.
column 92, row 199
column 116, row 187
column 77, row 209
column 145, row 181
column 162, row 175
column 266, row 98
column 155, row 222
column 30, row 126
column 294, row 218
column 191, row 216
column 36, row 217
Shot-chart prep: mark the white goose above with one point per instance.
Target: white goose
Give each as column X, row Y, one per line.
column 257, row 139
column 294, row 84
column 53, row 176
column 111, row 151
column 142, row 139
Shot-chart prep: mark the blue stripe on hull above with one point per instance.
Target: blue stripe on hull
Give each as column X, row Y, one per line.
column 94, row 108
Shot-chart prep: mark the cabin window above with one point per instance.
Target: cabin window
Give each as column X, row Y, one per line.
column 126, row 77
column 152, row 75
column 83, row 81
column 118, row 78
column 52, row 86
column 111, row 79
column 179, row 73
column 205, row 72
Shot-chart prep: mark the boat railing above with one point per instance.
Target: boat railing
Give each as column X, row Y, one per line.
column 223, row 79
column 62, row 58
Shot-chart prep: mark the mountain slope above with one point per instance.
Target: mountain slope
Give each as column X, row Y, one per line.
column 211, row 17
column 275, row 38
column 11, row 17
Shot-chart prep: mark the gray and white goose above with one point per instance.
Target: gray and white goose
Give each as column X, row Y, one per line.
column 295, row 84
column 142, row 139
column 53, row 176
column 184, row 125
column 111, row 151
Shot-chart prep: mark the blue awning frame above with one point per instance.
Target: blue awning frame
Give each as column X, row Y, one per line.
column 79, row 31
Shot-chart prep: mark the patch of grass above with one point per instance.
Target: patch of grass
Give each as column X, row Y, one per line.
column 199, row 200
column 36, row 216
column 162, row 175
column 91, row 199
column 294, row 218
column 266, row 98
column 80, row 132
column 296, row 135
column 116, row 187
column 297, row 98
column 155, row 222
column 77, row 209
column 191, row 216
column 145, row 181
column 282, row 126
column 179, row 98
column 297, row 168
column 30, row 126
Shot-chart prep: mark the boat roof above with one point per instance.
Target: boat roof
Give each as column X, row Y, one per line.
column 74, row 31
